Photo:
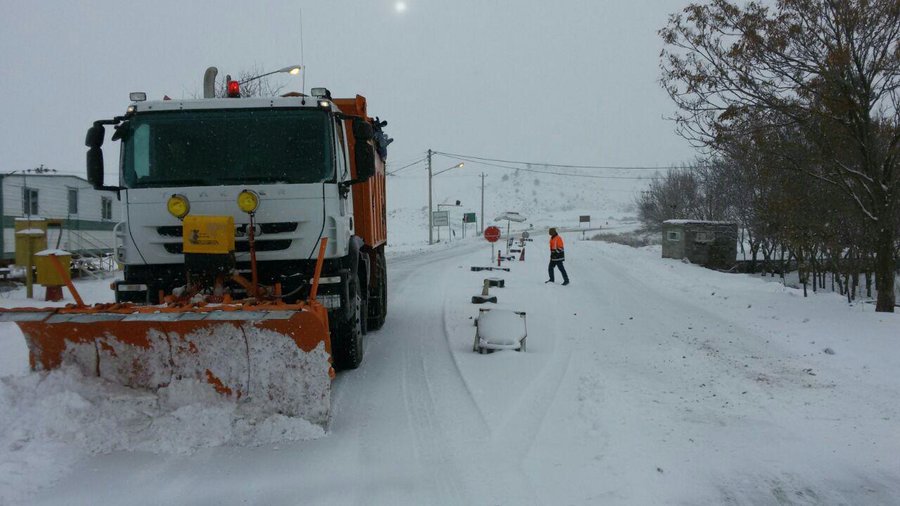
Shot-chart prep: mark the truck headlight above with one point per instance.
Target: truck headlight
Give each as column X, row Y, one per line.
column 178, row 206
column 248, row 201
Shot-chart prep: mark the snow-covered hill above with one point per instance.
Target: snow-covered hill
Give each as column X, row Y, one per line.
column 546, row 200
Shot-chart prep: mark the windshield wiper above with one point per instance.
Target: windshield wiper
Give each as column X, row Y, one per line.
column 253, row 179
column 174, row 183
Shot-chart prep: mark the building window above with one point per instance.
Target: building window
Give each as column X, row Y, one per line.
column 673, row 235
column 704, row 237
column 106, row 208
column 29, row 201
column 73, row 201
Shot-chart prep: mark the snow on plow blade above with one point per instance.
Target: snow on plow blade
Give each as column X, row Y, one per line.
column 275, row 357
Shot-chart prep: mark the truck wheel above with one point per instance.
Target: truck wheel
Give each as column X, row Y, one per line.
column 363, row 311
column 378, row 304
column 348, row 348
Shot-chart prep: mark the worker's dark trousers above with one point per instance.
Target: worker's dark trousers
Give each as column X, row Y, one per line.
column 562, row 269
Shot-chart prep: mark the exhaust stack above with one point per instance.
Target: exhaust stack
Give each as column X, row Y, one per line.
column 209, row 82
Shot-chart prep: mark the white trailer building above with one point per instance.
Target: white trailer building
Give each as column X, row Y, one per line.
column 81, row 219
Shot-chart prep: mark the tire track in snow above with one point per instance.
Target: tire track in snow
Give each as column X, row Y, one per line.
column 428, row 418
column 451, row 394
column 417, row 261
column 589, row 388
column 524, row 422
column 482, row 423
column 414, row 430
column 430, row 447
column 404, row 429
column 454, row 386
column 445, row 424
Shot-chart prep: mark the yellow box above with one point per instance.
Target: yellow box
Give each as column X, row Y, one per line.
column 47, row 275
column 31, row 237
column 209, row 235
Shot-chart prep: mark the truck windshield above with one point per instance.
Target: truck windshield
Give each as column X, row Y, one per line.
column 230, row 146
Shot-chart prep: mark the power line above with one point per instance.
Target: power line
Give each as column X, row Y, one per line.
column 393, row 162
column 420, row 160
column 566, row 174
column 564, row 166
column 57, row 173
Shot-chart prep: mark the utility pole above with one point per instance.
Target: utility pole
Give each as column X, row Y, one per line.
column 430, row 227
column 482, row 205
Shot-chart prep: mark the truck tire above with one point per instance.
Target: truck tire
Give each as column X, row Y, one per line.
column 347, row 348
column 378, row 303
column 363, row 311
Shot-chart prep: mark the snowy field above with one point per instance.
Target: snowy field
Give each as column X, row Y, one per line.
column 646, row 381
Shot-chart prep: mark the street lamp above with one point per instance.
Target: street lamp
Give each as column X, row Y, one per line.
column 292, row 70
column 449, row 226
column 430, row 175
column 233, row 88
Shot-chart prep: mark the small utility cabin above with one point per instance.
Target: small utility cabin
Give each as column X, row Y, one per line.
column 77, row 218
column 711, row 244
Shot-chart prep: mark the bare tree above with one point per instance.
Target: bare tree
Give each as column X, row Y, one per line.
column 829, row 69
column 682, row 193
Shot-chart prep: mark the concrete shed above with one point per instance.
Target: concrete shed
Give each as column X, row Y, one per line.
column 708, row 243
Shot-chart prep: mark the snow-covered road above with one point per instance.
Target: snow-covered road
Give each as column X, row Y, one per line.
column 647, row 381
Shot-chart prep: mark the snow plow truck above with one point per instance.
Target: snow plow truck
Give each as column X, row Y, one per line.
column 252, row 245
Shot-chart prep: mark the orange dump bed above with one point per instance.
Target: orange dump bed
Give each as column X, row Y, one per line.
column 369, row 197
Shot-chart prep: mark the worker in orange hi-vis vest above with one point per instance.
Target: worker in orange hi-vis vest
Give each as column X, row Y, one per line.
column 557, row 257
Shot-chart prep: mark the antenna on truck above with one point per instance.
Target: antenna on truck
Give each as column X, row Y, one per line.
column 302, row 61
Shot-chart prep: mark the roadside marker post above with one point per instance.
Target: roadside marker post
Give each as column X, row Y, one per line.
column 492, row 235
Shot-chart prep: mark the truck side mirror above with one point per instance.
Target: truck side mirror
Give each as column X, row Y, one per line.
column 364, row 155
column 93, row 140
column 95, row 167
column 362, row 130
column 95, row 135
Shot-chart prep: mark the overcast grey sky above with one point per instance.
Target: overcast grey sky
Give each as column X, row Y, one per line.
column 569, row 81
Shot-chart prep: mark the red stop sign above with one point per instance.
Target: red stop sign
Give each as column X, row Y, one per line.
column 492, row 234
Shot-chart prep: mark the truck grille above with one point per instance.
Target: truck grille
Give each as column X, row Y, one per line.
column 266, row 228
column 279, row 228
column 240, row 247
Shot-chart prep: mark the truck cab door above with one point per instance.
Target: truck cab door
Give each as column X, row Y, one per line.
column 342, row 164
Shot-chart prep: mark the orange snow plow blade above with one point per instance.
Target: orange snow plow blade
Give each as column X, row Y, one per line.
column 274, row 356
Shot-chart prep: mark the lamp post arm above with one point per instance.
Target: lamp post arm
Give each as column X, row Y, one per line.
column 442, row 171
column 254, row 78
column 289, row 70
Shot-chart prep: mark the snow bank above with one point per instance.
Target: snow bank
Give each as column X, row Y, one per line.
column 50, row 421
column 48, row 252
column 30, row 231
